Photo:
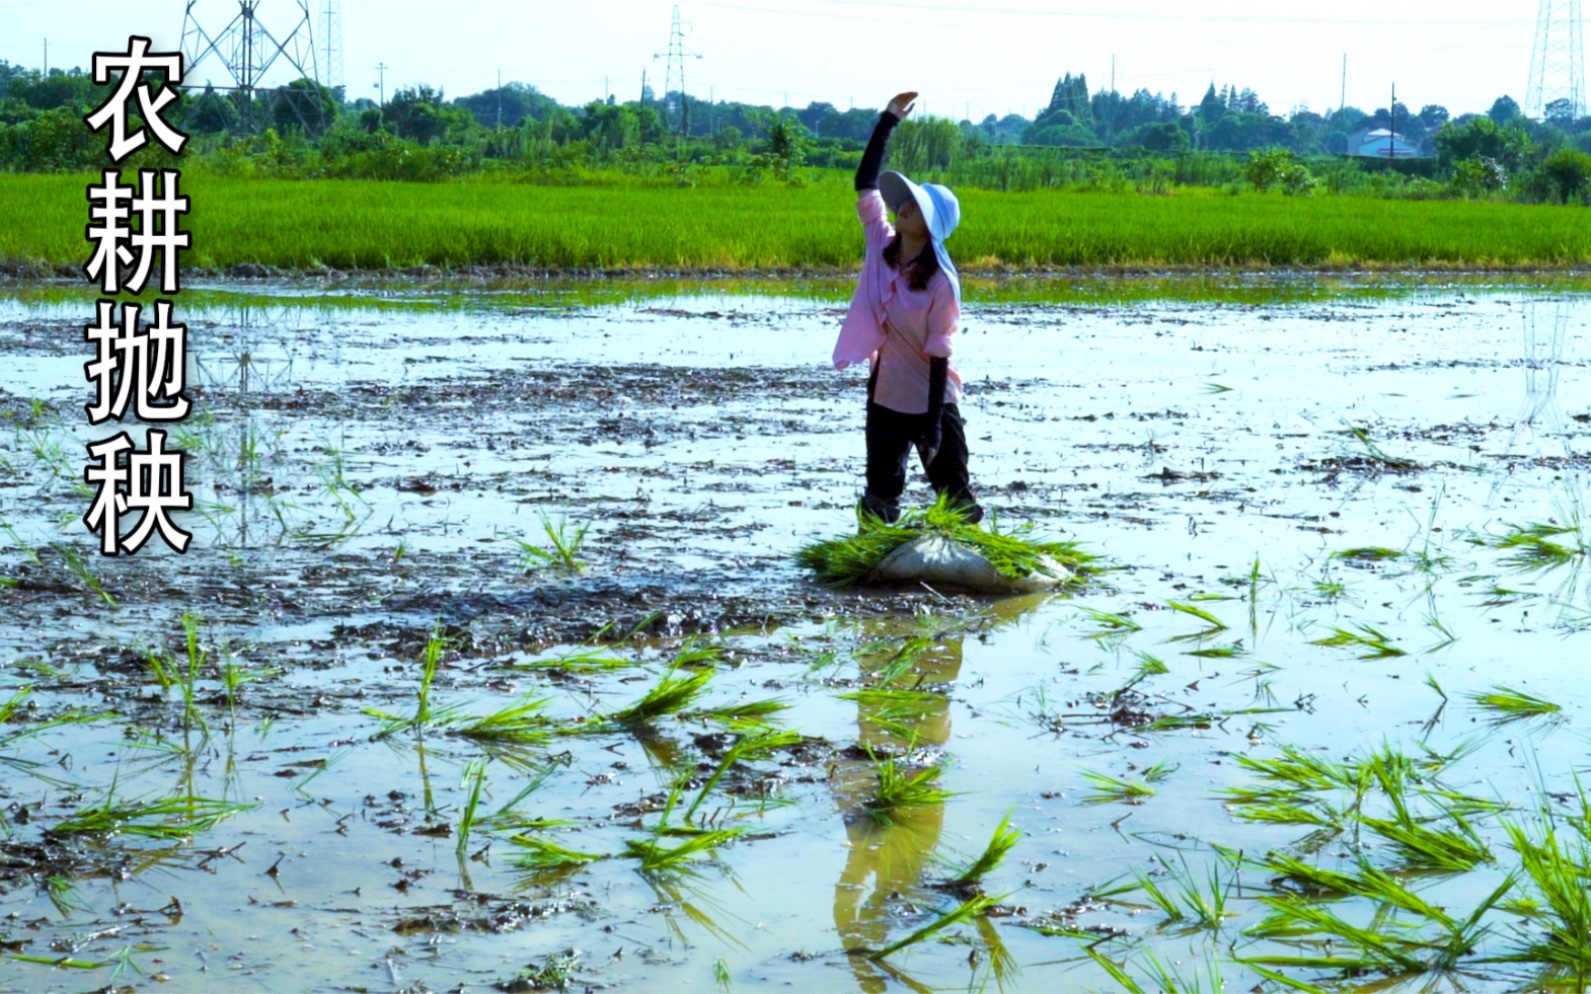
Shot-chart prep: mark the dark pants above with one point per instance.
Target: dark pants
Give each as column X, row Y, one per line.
column 890, row 437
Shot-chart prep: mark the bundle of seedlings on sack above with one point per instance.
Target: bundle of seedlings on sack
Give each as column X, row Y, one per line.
column 937, row 543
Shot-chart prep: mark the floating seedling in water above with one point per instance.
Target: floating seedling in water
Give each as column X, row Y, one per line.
column 1508, row 704
column 173, row 818
column 655, row 856
column 1375, row 644
column 1108, row 788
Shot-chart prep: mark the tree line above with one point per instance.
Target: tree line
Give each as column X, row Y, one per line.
column 304, row 129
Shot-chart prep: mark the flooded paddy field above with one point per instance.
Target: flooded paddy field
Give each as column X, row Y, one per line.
column 490, row 669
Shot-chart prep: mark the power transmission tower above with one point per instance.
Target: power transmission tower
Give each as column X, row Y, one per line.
column 1557, row 63
column 332, row 44
column 675, row 74
column 247, row 50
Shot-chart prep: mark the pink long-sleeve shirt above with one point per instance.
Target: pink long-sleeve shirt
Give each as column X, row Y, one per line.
column 896, row 328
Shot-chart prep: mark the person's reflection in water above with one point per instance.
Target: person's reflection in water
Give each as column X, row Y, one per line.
column 887, row 857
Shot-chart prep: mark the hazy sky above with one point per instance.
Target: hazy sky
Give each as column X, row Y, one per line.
column 965, row 57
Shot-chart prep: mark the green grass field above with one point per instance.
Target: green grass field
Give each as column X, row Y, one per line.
column 368, row 226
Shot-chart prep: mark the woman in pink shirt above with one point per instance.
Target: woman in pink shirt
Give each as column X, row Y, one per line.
column 903, row 318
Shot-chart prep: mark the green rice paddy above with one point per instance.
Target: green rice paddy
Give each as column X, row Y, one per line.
column 350, row 225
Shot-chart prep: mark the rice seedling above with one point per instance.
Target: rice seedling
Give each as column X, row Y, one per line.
column 969, row 909
column 843, row 562
column 1368, row 554
column 521, row 723
column 1002, row 842
column 1558, row 930
column 1375, row 644
column 475, row 778
column 173, row 818
column 553, row 974
column 899, row 790
column 1112, row 626
column 424, row 716
column 672, row 694
column 1204, row 908
column 79, row 569
column 742, row 716
column 721, row 974
column 655, row 856
column 1108, row 788
column 1216, row 624
column 562, row 549
column 1511, row 705
column 539, row 854
column 584, row 660
column 1374, row 455
column 745, row 749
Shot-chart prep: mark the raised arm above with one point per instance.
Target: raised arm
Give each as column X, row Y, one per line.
column 873, row 157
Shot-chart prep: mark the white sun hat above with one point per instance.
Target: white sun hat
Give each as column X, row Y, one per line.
column 939, row 209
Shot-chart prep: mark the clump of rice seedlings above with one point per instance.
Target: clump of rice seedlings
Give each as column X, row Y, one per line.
column 539, row 854
column 584, row 660
column 1018, row 554
column 1557, row 930
column 1368, row 554
column 898, row 790
column 1113, row 628
column 746, row 748
column 554, row 973
column 655, row 856
column 973, row 907
column 517, row 724
column 1205, row 909
column 1003, row 841
column 721, row 974
column 562, row 548
column 172, row 818
column 1511, row 704
column 10, row 711
column 672, row 694
column 1377, row 457
column 1374, row 642
column 1108, row 788
column 742, row 716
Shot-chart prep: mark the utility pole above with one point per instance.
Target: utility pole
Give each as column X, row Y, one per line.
column 643, row 86
column 46, row 55
column 604, row 89
column 1342, row 100
column 382, row 85
column 499, row 100
column 1392, row 124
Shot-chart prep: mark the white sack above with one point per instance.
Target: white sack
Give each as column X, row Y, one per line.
column 937, row 561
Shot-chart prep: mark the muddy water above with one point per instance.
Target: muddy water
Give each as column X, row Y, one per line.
column 369, row 469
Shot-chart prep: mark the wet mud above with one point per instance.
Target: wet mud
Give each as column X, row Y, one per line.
column 238, row 763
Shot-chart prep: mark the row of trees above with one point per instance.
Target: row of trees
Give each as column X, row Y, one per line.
column 420, row 134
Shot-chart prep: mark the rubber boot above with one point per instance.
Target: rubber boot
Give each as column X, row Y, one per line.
column 877, row 506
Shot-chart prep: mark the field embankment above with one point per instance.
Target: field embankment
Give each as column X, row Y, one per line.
column 351, row 225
